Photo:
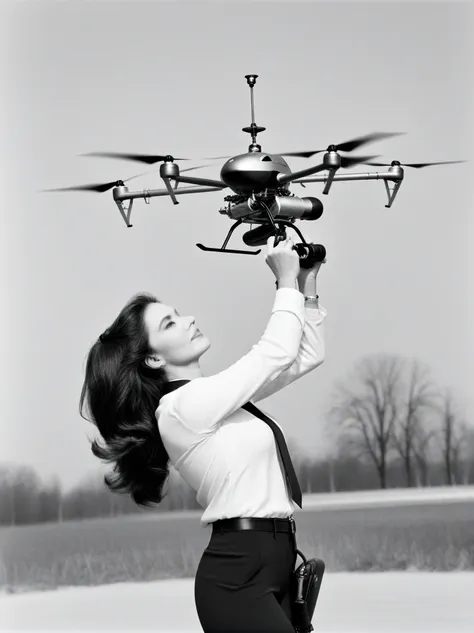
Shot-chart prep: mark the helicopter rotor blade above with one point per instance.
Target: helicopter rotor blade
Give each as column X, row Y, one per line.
column 97, row 188
column 307, row 154
column 347, row 161
column 301, row 154
column 216, row 157
column 149, row 159
column 310, row 153
column 193, row 168
column 347, row 146
column 106, row 186
column 355, row 143
column 419, row 165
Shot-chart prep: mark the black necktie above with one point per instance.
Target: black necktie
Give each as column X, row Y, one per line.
column 285, row 455
column 280, row 440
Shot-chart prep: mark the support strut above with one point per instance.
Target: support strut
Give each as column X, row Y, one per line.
column 223, row 248
column 125, row 212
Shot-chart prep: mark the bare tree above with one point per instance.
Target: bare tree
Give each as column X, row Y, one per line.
column 421, row 443
column 468, row 470
column 368, row 412
column 337, row 450
column 20, row 494
column 453, row 437
column 411, row 440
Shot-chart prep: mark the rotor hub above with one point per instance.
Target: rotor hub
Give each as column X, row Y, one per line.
column 169, row 169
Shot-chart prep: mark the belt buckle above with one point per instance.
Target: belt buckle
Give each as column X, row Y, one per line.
column 293, row 526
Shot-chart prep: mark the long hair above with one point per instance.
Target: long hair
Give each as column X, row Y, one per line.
column 122, row 394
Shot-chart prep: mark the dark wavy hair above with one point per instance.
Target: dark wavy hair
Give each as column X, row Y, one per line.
column 122, row 394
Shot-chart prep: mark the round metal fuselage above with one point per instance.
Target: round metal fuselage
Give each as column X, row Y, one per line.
column 254, row 172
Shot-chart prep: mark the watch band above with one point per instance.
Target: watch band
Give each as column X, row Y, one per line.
column 306, row 297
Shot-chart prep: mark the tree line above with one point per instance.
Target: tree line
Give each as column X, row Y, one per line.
column 389, row 426
column 391, row 410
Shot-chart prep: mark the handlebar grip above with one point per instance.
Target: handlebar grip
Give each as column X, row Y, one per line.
column 310, row 254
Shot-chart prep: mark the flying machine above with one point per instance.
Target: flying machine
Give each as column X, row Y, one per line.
column 260, row 185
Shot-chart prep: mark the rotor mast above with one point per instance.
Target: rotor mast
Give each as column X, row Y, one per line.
column 253, row 129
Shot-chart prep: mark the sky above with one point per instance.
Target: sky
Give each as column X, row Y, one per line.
column 165, row 78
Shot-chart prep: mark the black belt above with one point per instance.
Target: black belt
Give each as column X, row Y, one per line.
column 255, row 523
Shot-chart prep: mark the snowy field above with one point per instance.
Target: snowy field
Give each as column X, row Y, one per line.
column 392, row 602
column 389, row 601
column 389, row 497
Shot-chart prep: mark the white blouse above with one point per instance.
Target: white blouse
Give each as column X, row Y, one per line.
column 226, row 454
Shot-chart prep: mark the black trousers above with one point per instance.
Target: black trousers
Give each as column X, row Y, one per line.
column 242, row 582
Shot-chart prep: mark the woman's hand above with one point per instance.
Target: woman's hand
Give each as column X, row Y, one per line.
column 283, row 260
column 307, row 279
column 313, row 272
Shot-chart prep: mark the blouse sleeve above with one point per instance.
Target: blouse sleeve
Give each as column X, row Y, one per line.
column 207, row 400
column 310, row 355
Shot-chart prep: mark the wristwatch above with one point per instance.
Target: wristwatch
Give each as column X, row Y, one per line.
column 306, row 297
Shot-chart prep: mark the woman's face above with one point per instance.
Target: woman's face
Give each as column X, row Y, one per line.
column 174, row 338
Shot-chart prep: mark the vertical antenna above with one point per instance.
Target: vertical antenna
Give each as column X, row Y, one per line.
column 253, row 129
column 251, row 79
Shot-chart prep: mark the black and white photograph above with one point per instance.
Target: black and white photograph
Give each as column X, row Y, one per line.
column 237, row 317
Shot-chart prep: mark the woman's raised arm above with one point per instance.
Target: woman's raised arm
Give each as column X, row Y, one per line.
column 207, row 400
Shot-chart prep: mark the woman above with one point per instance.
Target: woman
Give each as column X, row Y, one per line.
column 152, row 404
